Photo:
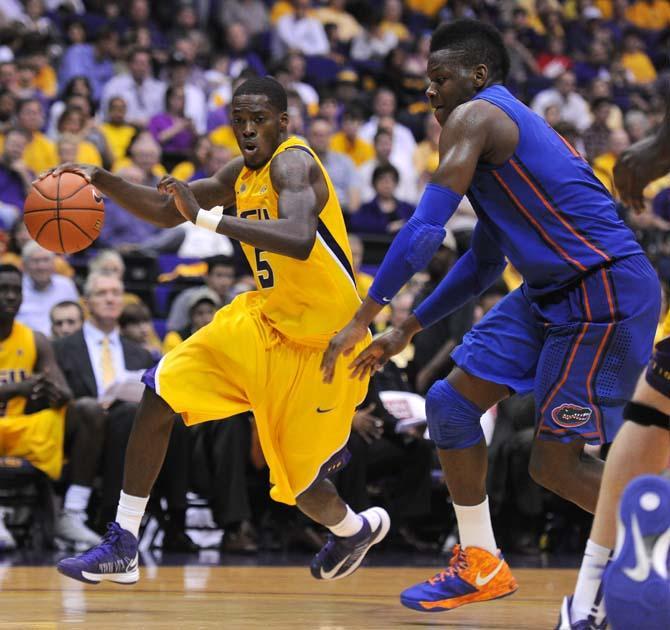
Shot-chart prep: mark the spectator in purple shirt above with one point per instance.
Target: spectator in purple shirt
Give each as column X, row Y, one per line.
column 94, row 61
column 171, row 128
column 15, row 177
column 384, row 214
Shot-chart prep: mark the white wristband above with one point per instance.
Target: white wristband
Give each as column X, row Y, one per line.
column 208, row 220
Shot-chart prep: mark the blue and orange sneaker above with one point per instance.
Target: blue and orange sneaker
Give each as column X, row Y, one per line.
column 473, row 575
column 341, row 556
column 636, row 582
column 114, row 559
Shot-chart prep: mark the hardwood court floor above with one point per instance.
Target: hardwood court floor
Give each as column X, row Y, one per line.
column 181, row 598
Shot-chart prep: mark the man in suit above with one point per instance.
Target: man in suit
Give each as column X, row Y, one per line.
column 95, row 358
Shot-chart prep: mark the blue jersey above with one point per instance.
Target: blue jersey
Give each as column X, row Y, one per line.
column 544, row 207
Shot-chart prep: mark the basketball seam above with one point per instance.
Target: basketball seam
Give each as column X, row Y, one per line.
column 60, row 234
column 37, row 236
column 86, row 234
column 33, row 210
column 74, row 192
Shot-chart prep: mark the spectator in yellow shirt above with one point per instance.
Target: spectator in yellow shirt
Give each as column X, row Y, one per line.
column 392, row 20
column 71, row 122
column 279, row 10
column 334, row 13
column 653, row 15
column 427, row 154
column 603, row 165
column 144, row 153
column 429, row 8
column 223, row 136
column 116, row 130
column 636, row 60
column 347, row 141
column 46, row 80
column 40, row 154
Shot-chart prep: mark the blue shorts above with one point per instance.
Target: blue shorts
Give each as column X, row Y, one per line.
column 580, row 349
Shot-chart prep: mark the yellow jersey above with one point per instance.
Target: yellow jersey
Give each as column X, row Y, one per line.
column 307, row 301
column 359, row 151
column 40, row 153
column 118, row 138
column 18, row 355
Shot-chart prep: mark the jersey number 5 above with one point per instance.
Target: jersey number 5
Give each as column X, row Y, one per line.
column 266, row 277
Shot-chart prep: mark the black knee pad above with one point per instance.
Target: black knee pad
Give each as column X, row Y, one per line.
column 646, row 416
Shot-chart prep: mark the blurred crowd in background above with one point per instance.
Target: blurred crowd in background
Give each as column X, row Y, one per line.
column 143, row 88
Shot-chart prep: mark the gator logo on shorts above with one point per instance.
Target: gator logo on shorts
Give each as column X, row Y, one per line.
column 570, row 416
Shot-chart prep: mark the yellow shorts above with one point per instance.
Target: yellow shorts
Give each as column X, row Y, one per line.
column 238, row 363
column 37, row 437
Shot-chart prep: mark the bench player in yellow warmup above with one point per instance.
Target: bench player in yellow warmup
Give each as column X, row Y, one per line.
column 262, row 351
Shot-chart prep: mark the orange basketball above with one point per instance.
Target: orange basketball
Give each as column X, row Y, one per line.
column 64, row 214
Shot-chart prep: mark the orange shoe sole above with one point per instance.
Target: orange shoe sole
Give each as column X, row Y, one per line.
column 470, row 598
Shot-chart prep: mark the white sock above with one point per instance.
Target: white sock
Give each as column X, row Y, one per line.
column 474, row 526
column 351, row 524
column 130, row 512
column 587, row 601
column 76, row 498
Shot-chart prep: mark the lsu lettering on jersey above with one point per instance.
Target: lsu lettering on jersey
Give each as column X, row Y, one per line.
column 18, row 355
column 307, row 301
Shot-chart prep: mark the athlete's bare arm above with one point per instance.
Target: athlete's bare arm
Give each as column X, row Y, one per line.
column 302, row 193
column 156, row 206
column 56, row 388
column 647, row 160
column 46, row 380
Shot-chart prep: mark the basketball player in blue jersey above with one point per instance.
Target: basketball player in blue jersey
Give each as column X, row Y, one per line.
column 577, row 333
column 636, row 584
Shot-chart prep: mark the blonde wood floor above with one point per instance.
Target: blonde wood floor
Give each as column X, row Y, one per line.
column 288, row 598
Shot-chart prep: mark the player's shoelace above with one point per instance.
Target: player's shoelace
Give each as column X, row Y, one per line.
column 340, row 547
column 106, row 546
column 458, row 562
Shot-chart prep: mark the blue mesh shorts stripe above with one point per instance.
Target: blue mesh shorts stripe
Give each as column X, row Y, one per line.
column 580, row 349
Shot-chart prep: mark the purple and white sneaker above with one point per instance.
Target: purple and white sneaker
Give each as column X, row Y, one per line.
column 341, row 556
column 566, row 622
column 114, row 559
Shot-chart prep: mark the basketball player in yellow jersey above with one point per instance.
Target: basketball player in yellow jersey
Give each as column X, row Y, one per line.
column 24, row 355
column 261, row 352
column 36, row 421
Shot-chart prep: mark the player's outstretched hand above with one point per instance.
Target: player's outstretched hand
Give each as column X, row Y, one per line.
column 342, row 343
column 184, row 198
column 379, row 352
column 638, row 165
column 85, row 170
